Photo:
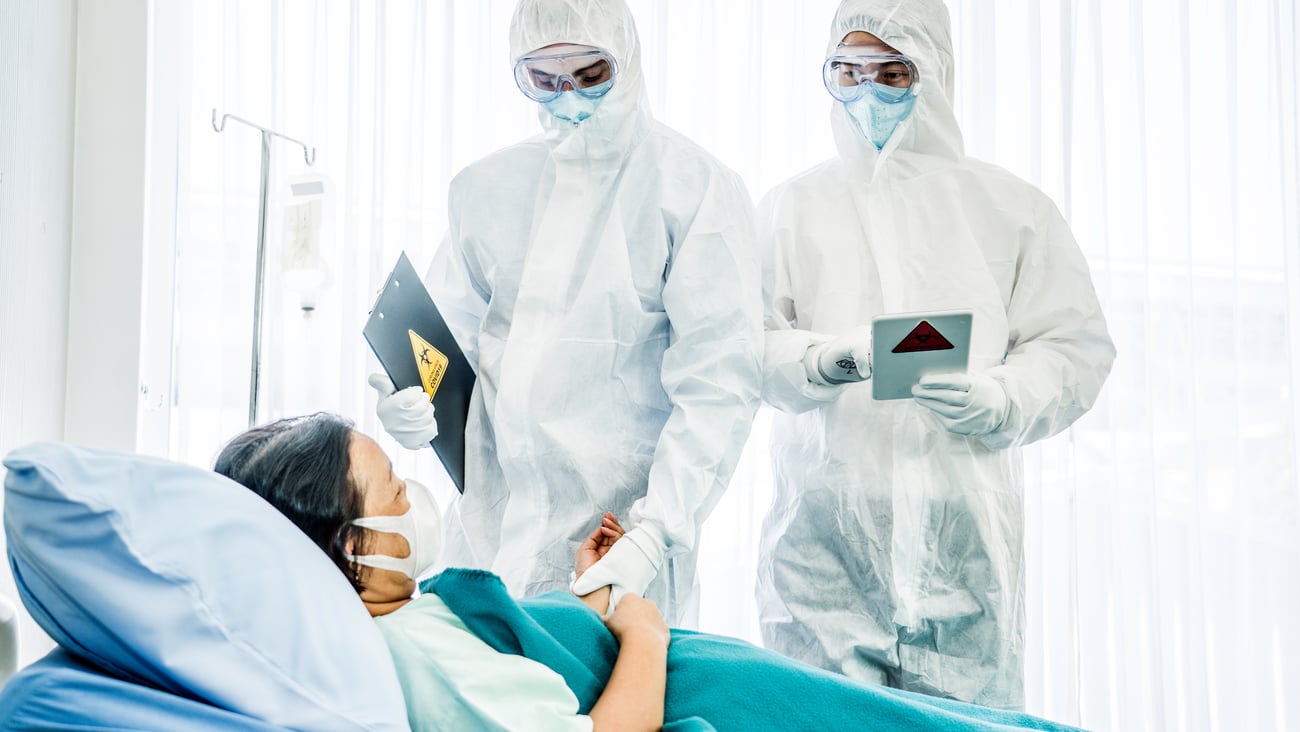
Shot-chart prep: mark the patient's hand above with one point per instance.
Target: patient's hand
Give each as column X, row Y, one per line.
column 638, row 617
column 598, row 543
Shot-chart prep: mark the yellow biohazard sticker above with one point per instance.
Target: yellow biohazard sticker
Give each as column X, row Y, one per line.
column 430, row 361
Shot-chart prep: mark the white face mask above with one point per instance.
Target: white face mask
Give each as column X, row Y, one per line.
column 421, row 526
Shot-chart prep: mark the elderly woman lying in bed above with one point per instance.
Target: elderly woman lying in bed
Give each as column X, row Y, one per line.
column 470, row 657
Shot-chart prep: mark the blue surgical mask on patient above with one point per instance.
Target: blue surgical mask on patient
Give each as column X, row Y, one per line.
column 878, row 118
column 574, row 107
column 421, row 526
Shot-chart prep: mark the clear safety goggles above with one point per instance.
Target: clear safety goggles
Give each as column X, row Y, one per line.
column 849, row 75
column 544, row 76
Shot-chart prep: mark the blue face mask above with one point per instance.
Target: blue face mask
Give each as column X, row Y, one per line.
column 877, row 118
column 573, row 107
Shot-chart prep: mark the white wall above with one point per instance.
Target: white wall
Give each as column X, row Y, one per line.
column 38, row 43
column 108, row 225
column 74, row 223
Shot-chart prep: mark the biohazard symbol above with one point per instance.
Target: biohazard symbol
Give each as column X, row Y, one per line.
column 923, row 338
column 430, row 361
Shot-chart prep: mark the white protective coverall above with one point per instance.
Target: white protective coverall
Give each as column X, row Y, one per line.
column 603, row 279
column 893, row 548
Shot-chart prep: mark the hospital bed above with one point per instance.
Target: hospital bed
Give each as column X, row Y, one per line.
column 180, row 600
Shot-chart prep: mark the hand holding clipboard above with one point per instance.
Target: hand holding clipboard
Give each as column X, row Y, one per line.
column 416, row 348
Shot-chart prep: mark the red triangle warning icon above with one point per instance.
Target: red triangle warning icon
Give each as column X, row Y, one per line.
column 923, row 338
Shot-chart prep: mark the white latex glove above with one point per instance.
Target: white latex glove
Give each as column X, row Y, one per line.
column 842, row 360
column 966, row 404
column 407, row 415
column 628, row 567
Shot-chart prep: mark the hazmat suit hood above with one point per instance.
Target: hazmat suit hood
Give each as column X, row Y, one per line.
column 622, row 117
column 922, row 31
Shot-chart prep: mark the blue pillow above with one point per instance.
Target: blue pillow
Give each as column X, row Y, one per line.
column 182, row 579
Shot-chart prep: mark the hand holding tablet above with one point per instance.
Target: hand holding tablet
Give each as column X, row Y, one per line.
column 910, row 346
column 965, row 404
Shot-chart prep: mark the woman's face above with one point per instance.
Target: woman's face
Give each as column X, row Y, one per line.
column 383, row 494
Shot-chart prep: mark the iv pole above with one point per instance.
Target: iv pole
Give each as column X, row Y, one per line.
column 309, row 155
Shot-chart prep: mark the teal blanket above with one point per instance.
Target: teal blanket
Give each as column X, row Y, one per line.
column 714, row 682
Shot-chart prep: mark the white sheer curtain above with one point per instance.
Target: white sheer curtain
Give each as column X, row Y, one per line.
column 1161, row 530
column 395, row 97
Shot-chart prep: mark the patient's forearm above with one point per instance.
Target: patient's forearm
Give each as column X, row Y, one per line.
column 598, row 600
column 634, row 697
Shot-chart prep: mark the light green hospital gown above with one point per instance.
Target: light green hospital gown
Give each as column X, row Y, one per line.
column 452, row 680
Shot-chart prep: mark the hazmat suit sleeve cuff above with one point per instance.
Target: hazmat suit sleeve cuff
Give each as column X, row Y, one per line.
column 1007, row 433
column 628, row 568
column 785, row 381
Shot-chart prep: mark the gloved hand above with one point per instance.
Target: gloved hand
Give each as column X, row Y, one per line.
column 407, row 415
column 628, row 567
column 842, row 360
column 966, row 404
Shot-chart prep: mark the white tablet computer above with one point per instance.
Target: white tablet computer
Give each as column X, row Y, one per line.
column 907, row 346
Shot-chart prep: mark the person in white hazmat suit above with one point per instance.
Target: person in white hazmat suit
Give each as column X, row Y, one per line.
column 893, row 548
column 603, row 280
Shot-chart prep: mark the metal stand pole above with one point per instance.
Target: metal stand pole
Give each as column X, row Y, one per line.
column 264, row 199
column 255, row 370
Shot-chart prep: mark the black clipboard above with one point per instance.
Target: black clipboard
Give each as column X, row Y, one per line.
column 416, row 348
